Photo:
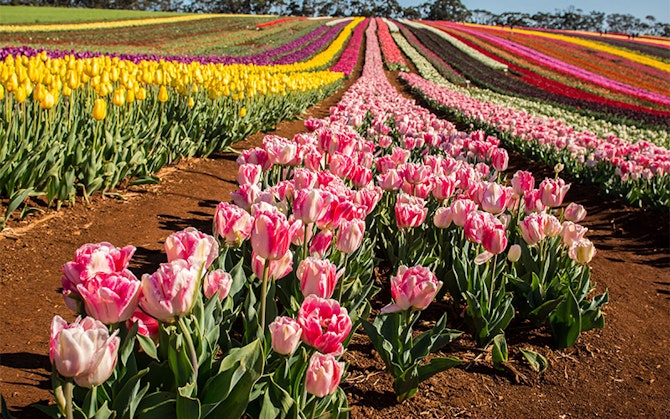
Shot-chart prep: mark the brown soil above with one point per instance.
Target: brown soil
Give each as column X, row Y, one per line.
column 620, row 371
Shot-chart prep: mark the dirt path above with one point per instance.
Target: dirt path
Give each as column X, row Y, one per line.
column 623, row 370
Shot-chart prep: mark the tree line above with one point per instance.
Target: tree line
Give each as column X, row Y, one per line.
column 571, row 18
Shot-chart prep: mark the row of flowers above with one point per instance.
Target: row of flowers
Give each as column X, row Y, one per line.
column 349, row 57
column 636, row 172
column 562, row 66
column 228, row 327
column 529, row 84
column 392, row 56
column 461, row 46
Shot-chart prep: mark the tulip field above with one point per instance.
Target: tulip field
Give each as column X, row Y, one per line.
column 266, row 216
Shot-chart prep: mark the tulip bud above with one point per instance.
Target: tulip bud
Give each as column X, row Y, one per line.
column 412, row 288
column 514, row 253
column 217, row 281
column 582, row 251
column 317, row 276
column 162, row 94
column 323, row 374
column 99, row 110
column 575, row 212
column 285, row 333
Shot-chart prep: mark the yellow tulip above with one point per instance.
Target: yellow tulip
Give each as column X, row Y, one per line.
column 2, row 92
column 48, row 102
column 66, row 91
column 141, row 94
column 162, row 94
column 99, row 110
column 190, row 103
column 119, row 97
column 20, row 94
column 243, row 112
column 130, row 96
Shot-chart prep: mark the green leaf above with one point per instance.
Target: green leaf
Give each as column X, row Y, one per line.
column 277, row 403
column 159, row 405
column 104, row 412
column 129, row 396
column 436, row 365
column 566, row 322
column 536, row 360
column 17, row 199
column 4, row 410
column 499, row 352
column 148, row 346
column 187, row 406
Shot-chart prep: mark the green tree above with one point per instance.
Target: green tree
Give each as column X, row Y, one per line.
column 452, row 10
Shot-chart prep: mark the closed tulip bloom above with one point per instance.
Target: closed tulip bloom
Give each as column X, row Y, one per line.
column 285, row 333
column 271, row 234
column 246, row 196
column 232, row 224
column 249, row 174
column 443, row 217
column 582, row 251
column 99, row 109
column 311, row 205
column 162, row 94
column 460, row 209
column 476, row 224
column 412, row 289
column 279, row 268
column 368, row 197
column 83, row 350
column 552, row 226
column 532, row 228
column 495, row 198
column 111, row 297
column 169, row 292
column 317, row 276
column 304, row 179
column 325, row 324
column 217, row 281
column 532, row 201
column 350, row 235
column 574, row 212
column 198, row 248
column 553, row 191
column 410, row 211
column 146, row 325
column 494, row 239
column 523, row 182
column 255, row 156
column 499, row 159
column 514, row 253
column 443, row 187
column 323, row 374
column 321, row 243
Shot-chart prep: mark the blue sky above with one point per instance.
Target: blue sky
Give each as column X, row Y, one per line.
column 660, row 9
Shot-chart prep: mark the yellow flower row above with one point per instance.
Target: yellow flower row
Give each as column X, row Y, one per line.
column 47, row 79
column 598, row 46
column 108, row 24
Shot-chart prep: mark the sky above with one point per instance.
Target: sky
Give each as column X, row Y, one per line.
column 660, row 9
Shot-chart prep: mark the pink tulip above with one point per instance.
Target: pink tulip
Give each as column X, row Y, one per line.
column 146, row 325
column 111, row 297
column 246, row 196
column 532, row 201
column 496, row 198
column 443, row 217
column 552, row 226
column 410, row 211
column 195, row 247
column 412, row 288
column 271, row 234
column 443, row 187
column 572, row 233
column 217, row 281
column 368, row 197
column 249, row 174
column 279, row 268
column 390, row 181
column 523, row 182
column 83, row 350
column 350, row 235
column 255, row 156
column 553, row 191
column 582, row 251
column 499, row 159
column 285, row 333
column 317, row 276
column 89, row 260
column 460, row 209
column 532, row 228
column 325, row 324
column 341, row 165
column 311, row 205
column 280, row 150
column 304, row 179
column 575, row 212
column 475, row 225
column 169, row 292
column 321, row 243
column 494, row 239
column 323, row 374
column 232, row 224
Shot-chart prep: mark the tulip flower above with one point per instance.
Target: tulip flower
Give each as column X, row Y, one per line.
column 410, row 211
column 271, row 234
column 217, row 281
column 443, row 217
column 197, row 248
column 460, row 209
column 325, row 324
column 494, row 239
column 83, row 350
column 532, row 228
column 499, row 159
column 278, row 268
column 582, row 251
column 323, row 374
column 111, row 297
column 232, row 223
column 495, row 198
column 514, row 253
column 285, row 333
column 169, row 292
column 350, row 235
column 317, row 276
column 249, row 174
column 99, row 109
column 522, row 182
column 572, row 233
column 533, row 201
column 311, row 205
column 146, row 325
column 574, row 212
column 321, row 243
column 553, row 191
column 412, row 289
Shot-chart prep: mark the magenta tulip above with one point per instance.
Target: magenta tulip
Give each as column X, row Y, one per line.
column 232, row 224
column 317, row 276
column 111, row 297
column 321, row 243
column 271, row 234
column 412, row 289
column 410, row 211
column 249, row 174
column 495, row 198
column 553, row 191
column 278, row 268
column 523, row 182
column 499, row 159
column 311, row 205
column 460, row 209
column 532, row 228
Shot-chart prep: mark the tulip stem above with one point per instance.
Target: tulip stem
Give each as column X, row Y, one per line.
column 69, row 390
column 341, row 280
column 191, row 348
column 493, row 281
column 264, row 292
